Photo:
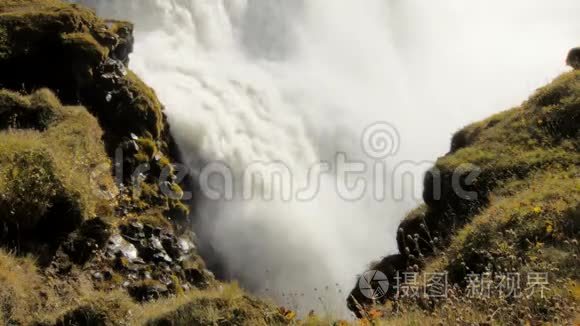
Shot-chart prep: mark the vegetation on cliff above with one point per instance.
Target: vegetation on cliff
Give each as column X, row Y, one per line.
column 85, row 239
column 505, row 200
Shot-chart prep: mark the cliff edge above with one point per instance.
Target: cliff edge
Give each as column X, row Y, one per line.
column 92, row 226
column 502, row 206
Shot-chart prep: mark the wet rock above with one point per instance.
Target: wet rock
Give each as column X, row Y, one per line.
column 135, row 268
column 185, row 245
column 148, row 230
column 132, row 231
column 163, row 257
column 389, row 266
column 82, row 244
column 125, row 40
column 119, row 246
column 148, row 290
column 170, row 245
column 198, row 277
column 107, row 275
column 111, row 72
column 98, row 276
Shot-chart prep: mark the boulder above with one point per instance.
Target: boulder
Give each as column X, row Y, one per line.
column 573, row 59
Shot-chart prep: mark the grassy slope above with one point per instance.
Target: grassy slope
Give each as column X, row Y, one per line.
column 524, row 218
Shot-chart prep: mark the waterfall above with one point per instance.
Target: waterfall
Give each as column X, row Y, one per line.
column 298, row 82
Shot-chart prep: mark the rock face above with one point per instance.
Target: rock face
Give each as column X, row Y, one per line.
column 505, row 199
column 75, row 123
column 573, row 59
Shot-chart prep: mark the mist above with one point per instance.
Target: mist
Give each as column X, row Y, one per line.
column 299, row 82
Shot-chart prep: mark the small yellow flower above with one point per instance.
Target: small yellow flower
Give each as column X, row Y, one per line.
column 290, row 315
column 537, row 209
column 549, row 228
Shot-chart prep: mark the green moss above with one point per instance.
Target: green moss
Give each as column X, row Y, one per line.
column 177, row 211
column 31, row 25
column 27, row 112
column 55, row 173
column 62, row 46
column 176, row 286
column 514, row 143
column 85, row 47
column 101, row 308
column 146, row 111
column 543, row 212
column 523, row 214
column 29, row 184
column 154, row 219
column 147, row 148
column 46, row 172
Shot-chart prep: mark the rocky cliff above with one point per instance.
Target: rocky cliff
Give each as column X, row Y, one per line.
column 504, row 202
column 92, row 227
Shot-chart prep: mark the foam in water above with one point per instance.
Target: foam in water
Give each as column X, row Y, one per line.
column 297, row 81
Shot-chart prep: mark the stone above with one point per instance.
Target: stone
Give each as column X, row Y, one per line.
column 148, row 290
column 119, row 246
column 82, row 244
column 573, row 59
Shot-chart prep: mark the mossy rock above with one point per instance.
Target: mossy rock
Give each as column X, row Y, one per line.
column 46, row 177
column 511, row 232
column 101, row 308
column 32, row 112
column 126, row 106
column 84, row 46
column 539, row 135
column 573, row 59
column 518, row 212
column 67, row 48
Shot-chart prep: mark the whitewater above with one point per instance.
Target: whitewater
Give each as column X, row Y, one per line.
column 299, row 82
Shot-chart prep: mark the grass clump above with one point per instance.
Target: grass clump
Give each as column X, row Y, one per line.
column 85, row 47
column 27, row 112
column 20, row 287
column 29, row 184
column 100, row 308
column 228, row 305
column 45, row 177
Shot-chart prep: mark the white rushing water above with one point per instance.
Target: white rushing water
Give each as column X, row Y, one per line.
column 297, row 81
